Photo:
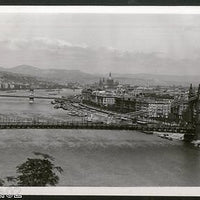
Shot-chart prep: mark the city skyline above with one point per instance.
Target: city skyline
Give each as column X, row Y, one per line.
column 100, row 43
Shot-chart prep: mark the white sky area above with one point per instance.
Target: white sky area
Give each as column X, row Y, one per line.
column 100, row 43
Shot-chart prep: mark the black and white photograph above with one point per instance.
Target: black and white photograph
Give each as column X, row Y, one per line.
column 99, row 99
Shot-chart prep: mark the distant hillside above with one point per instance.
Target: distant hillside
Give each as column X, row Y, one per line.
column 25, row 81
column 58, row 75
column 20, row 79
column 151, row 79
column 65, row 76
column 25, row 69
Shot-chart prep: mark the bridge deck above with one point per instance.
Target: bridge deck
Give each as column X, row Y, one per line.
column 89, row 125
column 28, row 96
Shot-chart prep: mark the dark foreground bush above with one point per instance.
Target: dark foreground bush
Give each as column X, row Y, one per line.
column 36, row 172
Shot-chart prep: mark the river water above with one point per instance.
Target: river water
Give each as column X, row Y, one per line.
column 97, row 157
column 15, row 108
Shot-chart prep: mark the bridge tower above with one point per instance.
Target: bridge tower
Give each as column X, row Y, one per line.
column 31, row 96
column 191, row 105
column 190, row 112
column 197, row 120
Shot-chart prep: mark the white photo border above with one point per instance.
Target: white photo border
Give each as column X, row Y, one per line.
column 104, row 191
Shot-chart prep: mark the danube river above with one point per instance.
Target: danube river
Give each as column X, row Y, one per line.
column 20, row 108
column 97, row 157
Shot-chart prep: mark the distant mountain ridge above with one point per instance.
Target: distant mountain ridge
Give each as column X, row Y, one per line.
column 58, row 75
column 24, row 81
column 154, row 79
column 64, row 76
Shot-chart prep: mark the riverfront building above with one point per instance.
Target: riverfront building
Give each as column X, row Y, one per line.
column 110, row 95
column 100, row 98
column 159, row 109
column 126, row 103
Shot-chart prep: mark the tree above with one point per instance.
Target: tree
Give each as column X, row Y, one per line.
column 37, row 172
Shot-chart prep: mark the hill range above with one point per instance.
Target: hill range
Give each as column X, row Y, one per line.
column 64, row 76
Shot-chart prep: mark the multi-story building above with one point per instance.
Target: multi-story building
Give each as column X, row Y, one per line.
column 141, row 104
column 100, row 98
column 154, row 101
column 159, row 109
column 125, row 104
column 86, row 95
column 103, row 98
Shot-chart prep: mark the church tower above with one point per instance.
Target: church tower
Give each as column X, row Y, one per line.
column 197, row 131
column 110, row 82
column 191, row 91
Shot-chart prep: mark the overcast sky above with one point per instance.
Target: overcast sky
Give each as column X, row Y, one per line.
column 99, row 43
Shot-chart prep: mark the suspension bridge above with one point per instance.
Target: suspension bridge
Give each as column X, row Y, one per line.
column 11, row 123
column 31, row 96
column 28, row 96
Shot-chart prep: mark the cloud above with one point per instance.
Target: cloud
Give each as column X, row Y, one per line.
column 54, row 53
column 39, row 43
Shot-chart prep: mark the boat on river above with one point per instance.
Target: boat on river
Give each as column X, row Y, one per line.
column 165, row 136
column 148, row 132
column 196, row 143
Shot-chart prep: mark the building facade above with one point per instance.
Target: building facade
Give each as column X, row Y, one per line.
column 159, row 109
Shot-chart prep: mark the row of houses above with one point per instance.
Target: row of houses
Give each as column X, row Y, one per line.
column 126, row 104
column 10, row 86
